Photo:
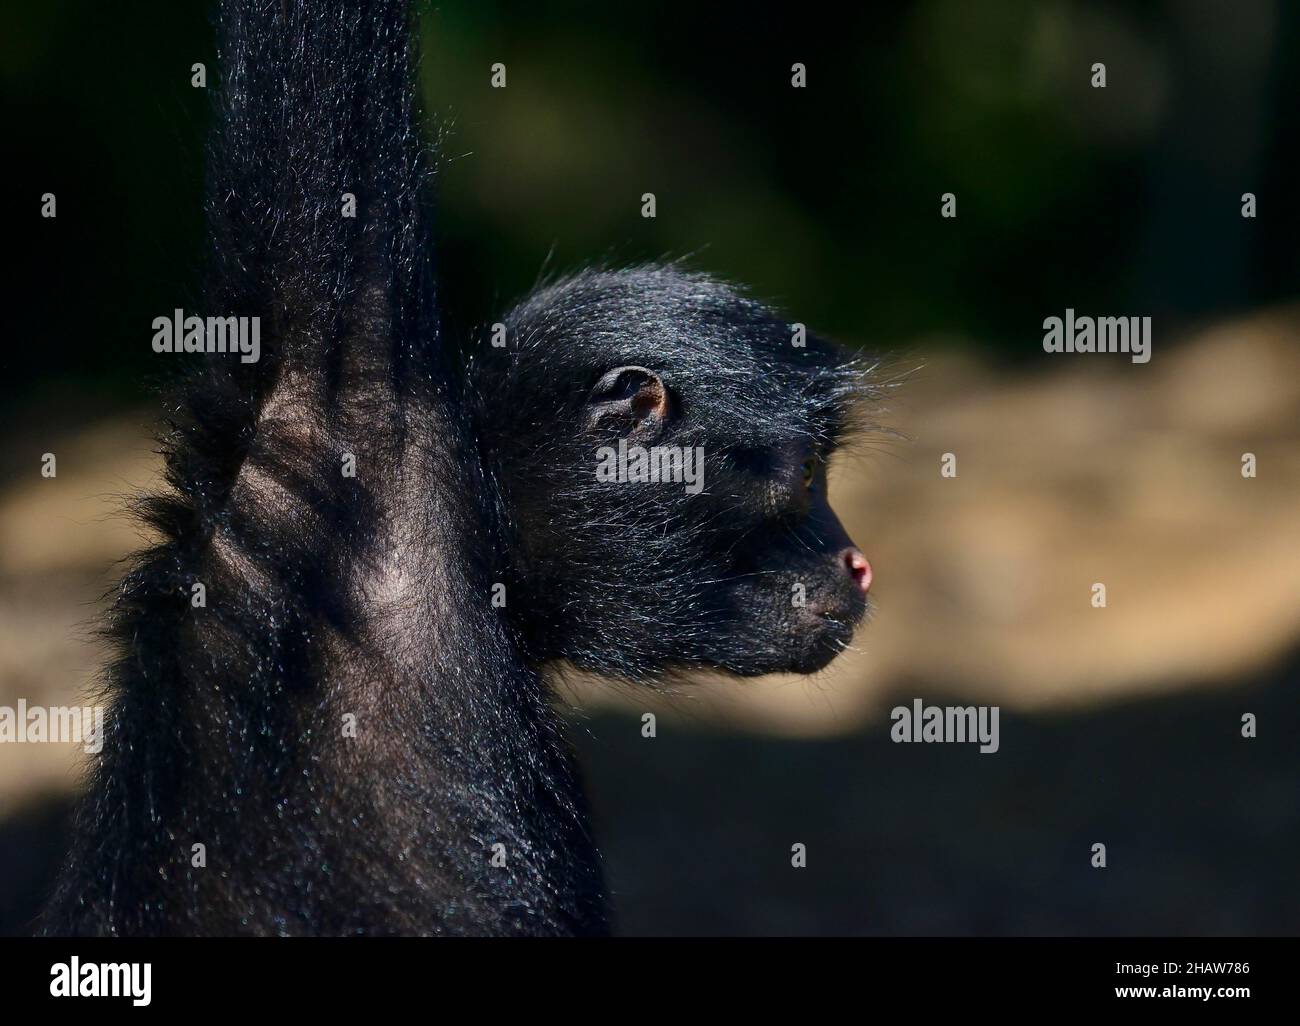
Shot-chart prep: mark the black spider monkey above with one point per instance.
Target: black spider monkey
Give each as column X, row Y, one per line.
column 231, row 796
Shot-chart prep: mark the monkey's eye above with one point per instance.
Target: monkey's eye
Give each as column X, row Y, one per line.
column 809, row 469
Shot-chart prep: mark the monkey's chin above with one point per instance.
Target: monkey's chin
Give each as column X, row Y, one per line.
column 824, row 650
column 825, row 641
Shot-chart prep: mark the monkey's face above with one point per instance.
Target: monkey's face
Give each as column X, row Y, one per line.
column 660, row 546
column 663, row 450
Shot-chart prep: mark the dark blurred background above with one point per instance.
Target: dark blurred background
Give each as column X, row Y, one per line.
column 824, row 198
column 1124, row 200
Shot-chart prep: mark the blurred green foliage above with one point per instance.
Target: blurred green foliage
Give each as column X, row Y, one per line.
column 825, row 199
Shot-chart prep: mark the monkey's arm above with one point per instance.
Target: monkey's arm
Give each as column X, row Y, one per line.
column 343, row 724
column 316, row 212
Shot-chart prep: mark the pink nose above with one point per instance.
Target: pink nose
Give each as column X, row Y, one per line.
column 859, row 569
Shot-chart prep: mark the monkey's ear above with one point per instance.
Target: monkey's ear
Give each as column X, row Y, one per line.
column 634, row 400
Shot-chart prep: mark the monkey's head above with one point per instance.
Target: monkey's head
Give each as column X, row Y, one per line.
column 661, row 444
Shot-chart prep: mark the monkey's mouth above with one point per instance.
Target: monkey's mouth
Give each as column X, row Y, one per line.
column 842, row 619
column 838, row 628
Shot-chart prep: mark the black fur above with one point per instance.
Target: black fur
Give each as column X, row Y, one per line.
column 330, row 595
column 326, row 595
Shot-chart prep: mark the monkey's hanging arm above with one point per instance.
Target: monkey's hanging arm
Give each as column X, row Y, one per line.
column 342, row 737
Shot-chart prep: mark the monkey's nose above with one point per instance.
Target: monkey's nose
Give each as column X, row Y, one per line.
column 859, row 569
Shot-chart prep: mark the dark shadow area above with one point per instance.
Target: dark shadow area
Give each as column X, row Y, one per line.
column 1201, row 825
column 32, row 843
